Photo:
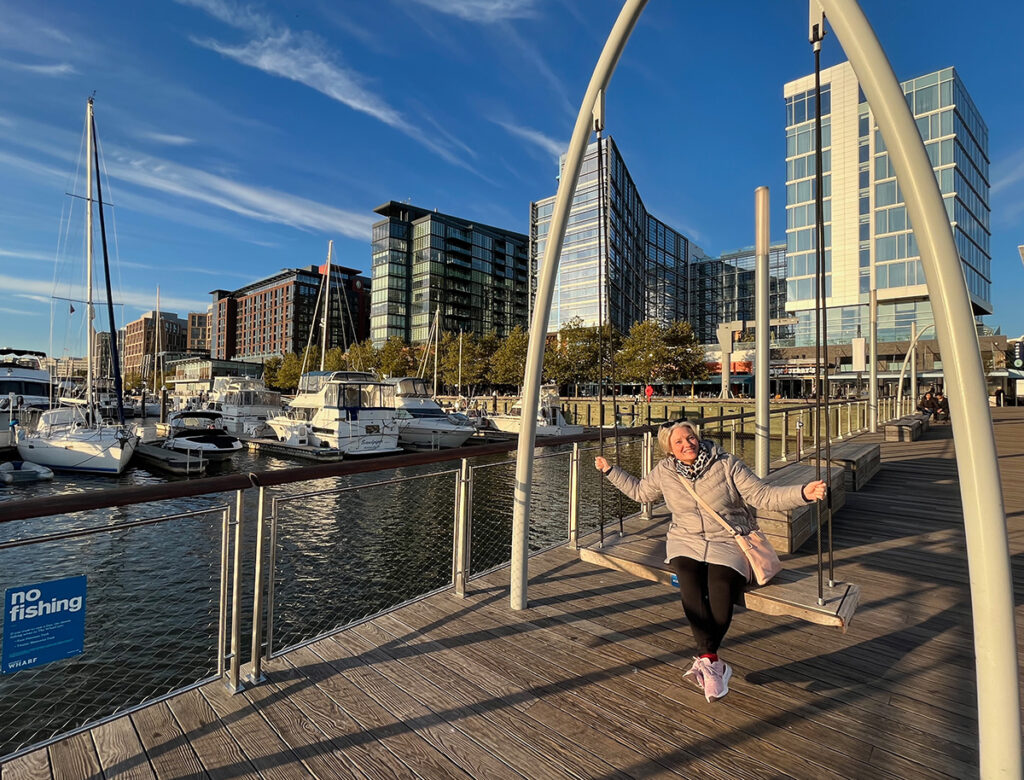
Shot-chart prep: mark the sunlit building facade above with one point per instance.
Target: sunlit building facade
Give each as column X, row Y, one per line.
column 869, row 242
column 619, row 264
column 476, row 275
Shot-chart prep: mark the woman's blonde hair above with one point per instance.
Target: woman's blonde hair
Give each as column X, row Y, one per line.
column 665, row 431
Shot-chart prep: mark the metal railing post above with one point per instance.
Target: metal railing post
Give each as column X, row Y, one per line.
column 732, row 437
column 574, row 496
column 256, row 670
column 800, row 438
column 463, row 526
column 222, row 622
column 646, row 463
column 785, row 432
column 234, row 683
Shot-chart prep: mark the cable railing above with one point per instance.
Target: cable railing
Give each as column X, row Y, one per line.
column 301, row 553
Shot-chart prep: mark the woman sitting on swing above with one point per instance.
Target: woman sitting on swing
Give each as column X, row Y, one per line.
column 710, row 566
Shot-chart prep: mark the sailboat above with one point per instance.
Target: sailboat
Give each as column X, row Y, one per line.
column 76, row 438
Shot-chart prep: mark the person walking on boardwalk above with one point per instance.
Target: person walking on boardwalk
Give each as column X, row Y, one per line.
column 711, row 569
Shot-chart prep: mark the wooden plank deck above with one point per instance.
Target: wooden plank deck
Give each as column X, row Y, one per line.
column 588, row 681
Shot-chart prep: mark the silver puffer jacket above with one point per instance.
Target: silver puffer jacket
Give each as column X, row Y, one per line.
column 727, row 486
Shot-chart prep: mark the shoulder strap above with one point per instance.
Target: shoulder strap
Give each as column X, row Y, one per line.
column 704, row 505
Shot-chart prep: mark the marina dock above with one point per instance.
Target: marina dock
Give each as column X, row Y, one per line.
column 588, row 681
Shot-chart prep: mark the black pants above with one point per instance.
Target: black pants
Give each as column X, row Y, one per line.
column 709, row 592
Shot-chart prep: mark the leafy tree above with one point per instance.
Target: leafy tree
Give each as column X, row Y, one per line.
column 288, row 372
column 487, row 345
column 132, row 381
column 577, row 357
column 270, row 369
column 473, row 366
column 653, row 352
column 334, row 360
column 310, row 358
column 395, row 358
column 362, row 357
column 508, row 361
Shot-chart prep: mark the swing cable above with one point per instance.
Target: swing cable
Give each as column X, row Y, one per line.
column 821, row 328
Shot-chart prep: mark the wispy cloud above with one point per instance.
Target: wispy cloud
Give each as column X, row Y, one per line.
column 36, row 298
column 484, row 11
column 144, row 299
column 535, row 137
column 170, row 140
column 304, row 58
column 58, row 69
column 20, row 312
column 1012, row 169
column 153, row 173
column 30, row 255
column 532, row 55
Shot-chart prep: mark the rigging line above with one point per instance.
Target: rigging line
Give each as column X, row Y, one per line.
column 312, row 329
column 113, row 220
column 112, row 342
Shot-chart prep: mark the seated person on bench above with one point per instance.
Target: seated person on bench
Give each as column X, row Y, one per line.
column 928, row 405
column 942, row 408
column 709, row 564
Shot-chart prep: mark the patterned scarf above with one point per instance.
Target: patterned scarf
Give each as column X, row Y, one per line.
column 697, row 469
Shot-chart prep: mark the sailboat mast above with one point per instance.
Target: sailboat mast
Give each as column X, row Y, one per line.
column 327, row 306
column 437, row 343
column 89, row 314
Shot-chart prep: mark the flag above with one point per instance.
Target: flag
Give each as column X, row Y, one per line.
column 72, row 308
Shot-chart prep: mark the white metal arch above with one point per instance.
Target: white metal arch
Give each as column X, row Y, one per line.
column 988, row 553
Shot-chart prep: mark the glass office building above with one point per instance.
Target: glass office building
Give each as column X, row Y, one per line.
column 723, row 290
column 425, row 261
column 619, row 264
column 869, row 242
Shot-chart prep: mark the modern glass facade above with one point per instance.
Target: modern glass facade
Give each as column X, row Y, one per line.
column 869, row 242
column 723, row 290
column 619, row 264
column 425, row 261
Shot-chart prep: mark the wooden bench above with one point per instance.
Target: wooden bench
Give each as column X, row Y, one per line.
column 903, row 429
column 793, row 593
column 860, row 462
column 790, row 528
column 924, row 418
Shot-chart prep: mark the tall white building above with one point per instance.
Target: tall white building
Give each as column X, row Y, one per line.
column 869, row 243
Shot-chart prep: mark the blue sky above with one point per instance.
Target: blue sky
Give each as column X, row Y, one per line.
column 239, row 138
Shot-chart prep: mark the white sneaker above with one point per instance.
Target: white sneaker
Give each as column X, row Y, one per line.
column 716, row 677
column 696, row 673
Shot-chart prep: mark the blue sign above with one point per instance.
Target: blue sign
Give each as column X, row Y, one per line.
column 43, row 623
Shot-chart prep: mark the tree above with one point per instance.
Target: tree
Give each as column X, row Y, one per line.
column 508, row 362
column 362, row 356
column 288, row 372
column 577, row 355
column 473, row 366
column 334, row 360
column 132, row 381
column 653, row 352
column 270, row 369
column 395, row 358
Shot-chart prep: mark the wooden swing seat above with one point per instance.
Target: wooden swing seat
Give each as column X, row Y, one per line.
column 793, row 593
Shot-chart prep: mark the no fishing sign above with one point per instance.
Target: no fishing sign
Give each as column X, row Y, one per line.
column 43, row 623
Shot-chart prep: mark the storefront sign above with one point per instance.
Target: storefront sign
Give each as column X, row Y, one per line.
column 43, row 623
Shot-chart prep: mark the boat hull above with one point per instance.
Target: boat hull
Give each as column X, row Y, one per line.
column 89, row 451
column 425, row 435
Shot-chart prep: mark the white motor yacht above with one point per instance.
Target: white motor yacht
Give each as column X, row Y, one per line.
column 23, row 381
column 349, row 410
column 422, row 423
column 202, row 433
column 550, row 420
column 245, row 403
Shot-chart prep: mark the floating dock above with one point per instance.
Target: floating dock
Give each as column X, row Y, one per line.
column 304, row 451
column 153, row 454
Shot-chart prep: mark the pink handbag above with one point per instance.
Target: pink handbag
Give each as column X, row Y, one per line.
column 764, row 561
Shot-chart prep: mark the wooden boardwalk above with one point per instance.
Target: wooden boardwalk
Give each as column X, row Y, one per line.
column 588, row 682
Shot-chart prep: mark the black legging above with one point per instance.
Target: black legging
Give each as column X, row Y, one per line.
column 708, row 591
